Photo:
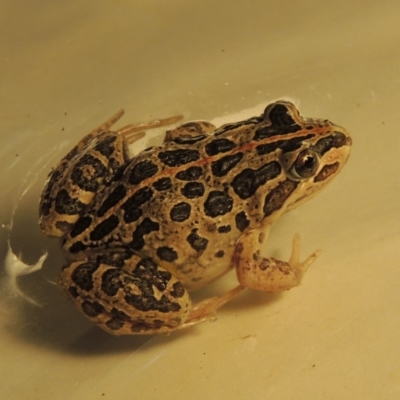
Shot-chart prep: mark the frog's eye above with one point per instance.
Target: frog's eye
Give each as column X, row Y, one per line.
column 306, row 164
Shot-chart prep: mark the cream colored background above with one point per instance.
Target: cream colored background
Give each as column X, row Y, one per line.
column 67, row 66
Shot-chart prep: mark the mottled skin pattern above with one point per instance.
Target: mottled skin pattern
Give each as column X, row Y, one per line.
column 142, row 232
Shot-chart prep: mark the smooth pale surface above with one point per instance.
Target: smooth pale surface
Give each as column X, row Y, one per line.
column 67, row 66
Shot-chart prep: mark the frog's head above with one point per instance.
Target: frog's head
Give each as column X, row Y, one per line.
column 311, row 153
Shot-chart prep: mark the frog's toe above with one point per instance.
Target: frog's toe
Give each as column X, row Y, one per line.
column 300, row 267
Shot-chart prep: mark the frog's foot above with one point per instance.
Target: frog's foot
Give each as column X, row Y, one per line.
column 126, row 294
column 105, row 126
column 207, row 309
column 269, row 274
column 130, row 129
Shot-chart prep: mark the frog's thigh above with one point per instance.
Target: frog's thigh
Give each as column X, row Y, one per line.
column 78, row 177
column 134, row 296
column 268, row 274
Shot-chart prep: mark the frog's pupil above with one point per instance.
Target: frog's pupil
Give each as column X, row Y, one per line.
column 309, row 162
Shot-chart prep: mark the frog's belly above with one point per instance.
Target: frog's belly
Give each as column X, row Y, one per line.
column 197, row 273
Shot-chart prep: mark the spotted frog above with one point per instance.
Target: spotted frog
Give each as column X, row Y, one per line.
column 142, row 232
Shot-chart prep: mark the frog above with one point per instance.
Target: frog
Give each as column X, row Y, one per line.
column 141, row 232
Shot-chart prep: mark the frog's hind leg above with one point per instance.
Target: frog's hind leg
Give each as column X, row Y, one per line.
column 105, row 126
column 73, row 183
column 91, row 164
column 207, row 309
column 126, row 295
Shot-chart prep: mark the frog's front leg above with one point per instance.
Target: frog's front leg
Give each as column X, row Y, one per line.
column 125, row 294
column 256, row 272
column 73, row 183
column 268, row 274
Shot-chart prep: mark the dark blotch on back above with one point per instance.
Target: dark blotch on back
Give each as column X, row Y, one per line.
column 249, row 180
column 180, row 212
column 190, row 174
column 268, row 131
column 141, row 171
column 217, row 203
column 268, row 147
column 222, row 166
column 176, row 158
column 132, row 210
column 104, row 228
column 113, row 198
column 80, row 225
column 193, row 190
column 162, row 184
column 219, row 146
